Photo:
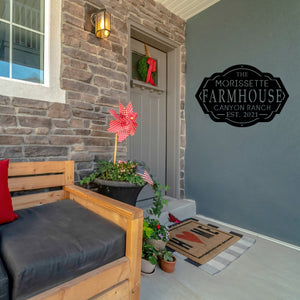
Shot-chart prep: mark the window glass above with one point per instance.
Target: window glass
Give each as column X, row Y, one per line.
column 22, row 56
column 27, row 58
column 4, row 9
column 28, row 13
column 4, row 49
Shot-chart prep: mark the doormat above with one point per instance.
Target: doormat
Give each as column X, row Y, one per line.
column 222, row 260
column 199, row 242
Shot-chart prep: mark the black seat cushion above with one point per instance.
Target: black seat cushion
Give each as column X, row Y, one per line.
column 54, row 243
column 4, row 287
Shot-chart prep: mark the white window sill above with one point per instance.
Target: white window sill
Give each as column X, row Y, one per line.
column 35, row 91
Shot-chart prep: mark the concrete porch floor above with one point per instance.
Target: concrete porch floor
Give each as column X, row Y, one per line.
column 267, row 271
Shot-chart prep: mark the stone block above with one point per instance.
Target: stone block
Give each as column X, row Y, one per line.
column 82, row 132
column 85, row 166
column 74, row 95
column 101, row 81
column 45, row 151
column 7, row 110
column 81, row 105
column 107, row 63
column 34, row 104
column 32, row 112
column 11, row 152
column 61, row 123
column 65, row 140
column 81, row 75
column 63, row 132
column 42, row 131
column 80, row 55
column 15, row 130
column 4, row 100
column 76, row 123
column 73, row 21
column 81, row 156
column 83, row 114
column 79, row 87
column 73, row 9
column 89, row 98
column 77, row 64
column 95, row 141
column 59, row 111
column 34, row 122
column 10, row 140
column 70, row 41
column 37, row 140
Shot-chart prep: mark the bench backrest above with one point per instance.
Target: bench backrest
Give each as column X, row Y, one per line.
column 36, row 177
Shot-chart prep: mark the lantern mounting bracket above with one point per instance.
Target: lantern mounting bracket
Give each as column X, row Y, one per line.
column 91, row 10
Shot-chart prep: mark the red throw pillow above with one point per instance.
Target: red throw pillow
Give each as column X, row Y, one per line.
column 6, row 208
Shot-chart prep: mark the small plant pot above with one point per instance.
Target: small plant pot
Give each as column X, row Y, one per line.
column 167, row 266
column 147, row 267
column 158, row 244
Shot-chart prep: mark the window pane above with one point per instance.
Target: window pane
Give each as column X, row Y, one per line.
column 29, row 13
column 27, row 55
column 136, row 64
column 4, row 49
column 4, row 9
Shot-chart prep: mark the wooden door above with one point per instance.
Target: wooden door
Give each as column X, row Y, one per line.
column 149, row 142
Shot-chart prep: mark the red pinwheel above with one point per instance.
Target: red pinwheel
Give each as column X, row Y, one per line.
column 125, row 123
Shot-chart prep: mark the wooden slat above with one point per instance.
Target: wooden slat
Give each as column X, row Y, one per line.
column 35, row 168
column 26, row 201
column 134, row 237
column 69, row 172
column 34, row 183
column 89, row 284
column 119, row 292
column 126, row 210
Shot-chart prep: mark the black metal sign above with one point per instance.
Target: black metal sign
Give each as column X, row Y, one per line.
column 242, row 96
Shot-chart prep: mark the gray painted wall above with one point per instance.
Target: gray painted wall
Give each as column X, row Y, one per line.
column 249, row 177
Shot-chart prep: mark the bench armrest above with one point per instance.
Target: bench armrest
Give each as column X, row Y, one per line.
column 130, row 218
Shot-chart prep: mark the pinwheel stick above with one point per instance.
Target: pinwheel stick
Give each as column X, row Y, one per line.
column 116, row 145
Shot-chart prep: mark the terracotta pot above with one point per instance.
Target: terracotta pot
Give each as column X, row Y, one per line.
column 158, row 244
column 147, row 267
column 123, row 191
column 167, row 266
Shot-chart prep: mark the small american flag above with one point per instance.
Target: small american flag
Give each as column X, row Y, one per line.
column 144, row 174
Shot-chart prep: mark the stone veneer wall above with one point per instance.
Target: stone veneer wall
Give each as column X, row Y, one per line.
column 94, row 74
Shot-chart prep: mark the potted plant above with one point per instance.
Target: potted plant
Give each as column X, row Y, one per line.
column 149, row 258
column 157, row 234
column 122, row 180
column 167, row 261
column 117, row 180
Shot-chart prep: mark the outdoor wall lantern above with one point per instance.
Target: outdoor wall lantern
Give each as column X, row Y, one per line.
column 101, row 22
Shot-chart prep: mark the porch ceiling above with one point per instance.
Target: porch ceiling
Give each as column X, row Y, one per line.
column 187, row 8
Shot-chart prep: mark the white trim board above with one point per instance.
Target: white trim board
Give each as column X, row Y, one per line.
column 251, row 232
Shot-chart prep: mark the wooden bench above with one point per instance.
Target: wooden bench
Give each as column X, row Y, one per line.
column 117, row 280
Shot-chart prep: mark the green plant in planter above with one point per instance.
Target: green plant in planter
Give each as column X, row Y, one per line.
column 150, row 253
column 123, row 171
column 166, row 255
column 152, row 229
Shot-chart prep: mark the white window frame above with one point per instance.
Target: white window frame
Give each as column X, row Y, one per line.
column 49, row 90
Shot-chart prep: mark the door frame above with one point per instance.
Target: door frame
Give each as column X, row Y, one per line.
column 172, row 50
